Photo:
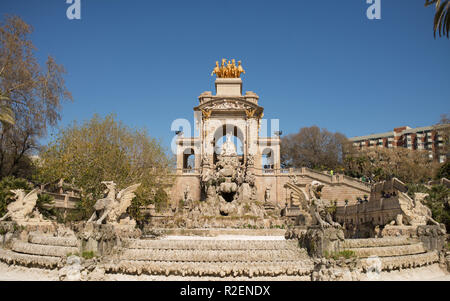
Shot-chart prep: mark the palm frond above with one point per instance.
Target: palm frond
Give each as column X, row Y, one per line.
column 442, row 17
column 7, row 115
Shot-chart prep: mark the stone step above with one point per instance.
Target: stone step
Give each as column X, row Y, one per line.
column 27, row 260
column 214, row 255
column 44, row 250
column 213, row 269
column 53, row 241
column 389, row 251
column 377, row 242
column 211, row 244
column 404, row 262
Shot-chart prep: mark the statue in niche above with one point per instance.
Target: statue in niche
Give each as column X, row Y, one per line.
column 267, row 194
column 228, row 148
column 187, row 196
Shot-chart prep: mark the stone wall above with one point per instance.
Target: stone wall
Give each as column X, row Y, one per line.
column 181, row 182
column 433, row 237
column 337, row 187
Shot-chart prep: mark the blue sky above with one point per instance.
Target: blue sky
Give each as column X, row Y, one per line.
column 311, row 62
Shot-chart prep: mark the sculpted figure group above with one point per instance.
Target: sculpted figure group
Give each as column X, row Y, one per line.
column 22, row 209
column 113, row 206
column 314, row 209
column 228, row 71
column 109, row 209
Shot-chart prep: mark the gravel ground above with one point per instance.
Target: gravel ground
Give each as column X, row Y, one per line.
column 14, row 273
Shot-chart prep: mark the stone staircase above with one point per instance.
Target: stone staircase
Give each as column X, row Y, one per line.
column 245, row 256
column 393, row 252
column 42, row 251
column 212, row 257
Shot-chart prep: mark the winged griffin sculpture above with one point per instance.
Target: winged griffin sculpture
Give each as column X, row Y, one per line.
column 113, row 206
column 309, row 200
column 21, row 210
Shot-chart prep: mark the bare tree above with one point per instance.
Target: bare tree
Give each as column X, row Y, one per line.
column 31, row 95
column 314, row 148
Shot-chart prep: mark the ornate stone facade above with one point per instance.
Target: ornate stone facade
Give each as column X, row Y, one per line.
column 235, row 169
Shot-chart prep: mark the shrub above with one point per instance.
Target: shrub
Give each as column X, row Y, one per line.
column 347, row 254
column 88, row 254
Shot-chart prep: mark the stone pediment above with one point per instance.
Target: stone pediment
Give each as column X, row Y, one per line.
column 231, row 104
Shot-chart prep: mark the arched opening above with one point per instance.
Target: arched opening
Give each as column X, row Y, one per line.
column 267, row 159
column 228, row 196
column 188, row 159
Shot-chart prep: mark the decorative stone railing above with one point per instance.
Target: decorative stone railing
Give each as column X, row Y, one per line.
column 190, row 171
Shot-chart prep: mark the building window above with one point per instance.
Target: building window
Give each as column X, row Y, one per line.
column 188, row 160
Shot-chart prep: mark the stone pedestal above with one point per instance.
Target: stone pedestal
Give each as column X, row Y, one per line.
column 321, row 242
column 103, row 239
column 433, row 237
column 229, row 86
column 7, row 230
column 394, row 230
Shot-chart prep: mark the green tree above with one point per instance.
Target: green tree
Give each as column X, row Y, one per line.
column 105, row 150
column 438, row 201
column 30, row 97
column 442, row 16
column 443, row 171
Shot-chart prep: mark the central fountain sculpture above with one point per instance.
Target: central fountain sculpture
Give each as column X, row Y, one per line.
column 243, row 176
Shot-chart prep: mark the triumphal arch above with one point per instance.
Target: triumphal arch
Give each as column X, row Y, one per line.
column 232, row 168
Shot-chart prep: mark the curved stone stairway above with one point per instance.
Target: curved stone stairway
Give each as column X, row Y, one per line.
column 215, row 257
column 43, row 251
column 393, row 252
column 212, row 257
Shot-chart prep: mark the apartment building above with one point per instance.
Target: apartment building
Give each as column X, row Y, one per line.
column 429, row 138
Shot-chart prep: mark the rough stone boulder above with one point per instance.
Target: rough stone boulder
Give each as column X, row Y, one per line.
column 321, row 241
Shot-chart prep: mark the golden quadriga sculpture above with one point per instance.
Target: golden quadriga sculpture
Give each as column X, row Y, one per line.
column 229, row 70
